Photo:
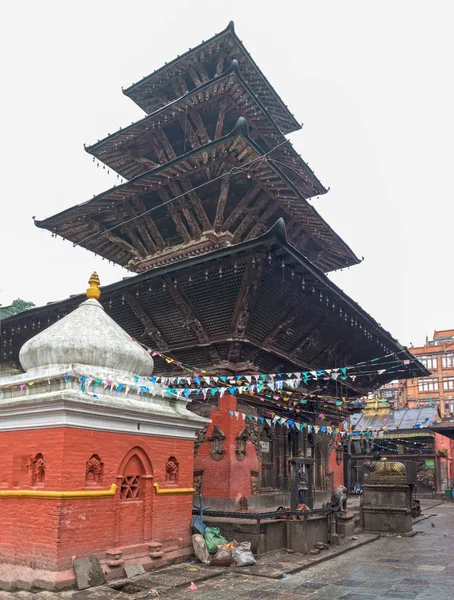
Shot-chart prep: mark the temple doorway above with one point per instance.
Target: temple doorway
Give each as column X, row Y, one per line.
column 135, row 479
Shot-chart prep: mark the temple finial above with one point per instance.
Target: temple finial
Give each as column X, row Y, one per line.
column 93, row 291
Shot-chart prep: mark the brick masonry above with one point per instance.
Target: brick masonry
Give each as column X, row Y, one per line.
column 47, row 533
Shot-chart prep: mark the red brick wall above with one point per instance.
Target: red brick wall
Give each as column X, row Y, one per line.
column 338, row 470
column 48, row 532
column 228, row 477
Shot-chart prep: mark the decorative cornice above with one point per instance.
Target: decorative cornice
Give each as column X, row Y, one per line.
column 70, row 495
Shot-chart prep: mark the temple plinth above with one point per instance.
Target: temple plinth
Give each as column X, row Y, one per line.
column 90, row 463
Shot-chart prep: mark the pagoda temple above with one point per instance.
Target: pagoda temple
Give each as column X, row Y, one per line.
column 229, row 261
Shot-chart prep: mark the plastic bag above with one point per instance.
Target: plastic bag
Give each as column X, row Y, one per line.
column 242, row 555
column 213, row 539
column 222, row 558
column 200, row 548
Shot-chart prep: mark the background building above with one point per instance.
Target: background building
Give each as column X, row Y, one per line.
column 437, row 355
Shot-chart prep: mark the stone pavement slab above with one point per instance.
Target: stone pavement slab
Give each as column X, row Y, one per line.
column 391, row 568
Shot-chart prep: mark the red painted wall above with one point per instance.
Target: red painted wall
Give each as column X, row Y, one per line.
column 228, row 477
column 46, row 533
column 338, row 470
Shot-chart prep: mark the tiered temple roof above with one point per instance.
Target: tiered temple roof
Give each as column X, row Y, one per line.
column 234, row 193
column 257, row 306
column 208, row 60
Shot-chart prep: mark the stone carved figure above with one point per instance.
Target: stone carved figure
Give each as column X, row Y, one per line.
column 172, row 469
column 94, row 470
column 198, row 482
column 241, row 444
column 253, row 430
column 339, row 498
column 386, row 471
column 200, row 437
column 217, row 443
column 38, row 470
column 254, row 483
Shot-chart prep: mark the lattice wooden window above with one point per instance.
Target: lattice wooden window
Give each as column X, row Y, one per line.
column 130, row 487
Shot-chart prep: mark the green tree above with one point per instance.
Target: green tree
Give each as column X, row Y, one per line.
column 15, row 308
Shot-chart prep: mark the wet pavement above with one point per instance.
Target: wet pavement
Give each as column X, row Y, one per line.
column 390, row 568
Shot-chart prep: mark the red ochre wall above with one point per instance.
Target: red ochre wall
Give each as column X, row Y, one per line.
column 228, row 477
column 333, row 467
column 45, row 533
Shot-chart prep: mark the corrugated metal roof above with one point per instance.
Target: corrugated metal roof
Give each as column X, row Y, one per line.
column 402, row 419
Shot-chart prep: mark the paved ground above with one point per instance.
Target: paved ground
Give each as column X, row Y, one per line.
column 391, row 568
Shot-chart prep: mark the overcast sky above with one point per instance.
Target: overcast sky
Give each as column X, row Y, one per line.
column 371, row 81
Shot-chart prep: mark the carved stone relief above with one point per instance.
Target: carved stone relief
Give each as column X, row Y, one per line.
column 198, row 482
column 94, row 470
column 200, row 437
column 172, row 470
column 37, row 469
column 254, row 483
column 217, row 443
column 241, row 444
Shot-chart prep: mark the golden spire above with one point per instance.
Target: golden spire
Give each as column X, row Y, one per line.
column 93, row 291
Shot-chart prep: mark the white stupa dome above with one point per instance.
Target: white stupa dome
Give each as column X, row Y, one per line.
column 88, row 337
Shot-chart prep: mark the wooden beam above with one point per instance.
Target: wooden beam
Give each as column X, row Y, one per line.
column 238, row 211
column 225, row 186
column 189, row 131
column 249, row 217
column 286, row 322
column 201, row 131
column 306, row 337
column 220, row 121
column 161, row 136
column 247, row 295
column 195, row 78
column 203, row 73
column 149, row 325
column 197, row 204
column 186, row 209
column 220, row 63
column 260, row 226
column 171, row 208
column 150, row 225
column 190, row 319
column 112, row 237
column 128, row 228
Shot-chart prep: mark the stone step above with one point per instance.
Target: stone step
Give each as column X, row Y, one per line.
column 156, row 554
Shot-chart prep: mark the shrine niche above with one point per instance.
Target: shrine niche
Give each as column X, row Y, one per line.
column 38, row 470
column 172, row 470
column 253, row 431
column 217, row 443
column 241, row 444
column 254, row 483
column 94, row 470
column 198, row 482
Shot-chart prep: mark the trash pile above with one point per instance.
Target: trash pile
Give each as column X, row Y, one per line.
column 212, row 548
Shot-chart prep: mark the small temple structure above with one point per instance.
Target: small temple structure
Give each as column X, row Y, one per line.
column 89, row 463
column 229, row 262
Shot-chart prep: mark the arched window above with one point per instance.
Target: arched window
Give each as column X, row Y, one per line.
column 131, row 485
